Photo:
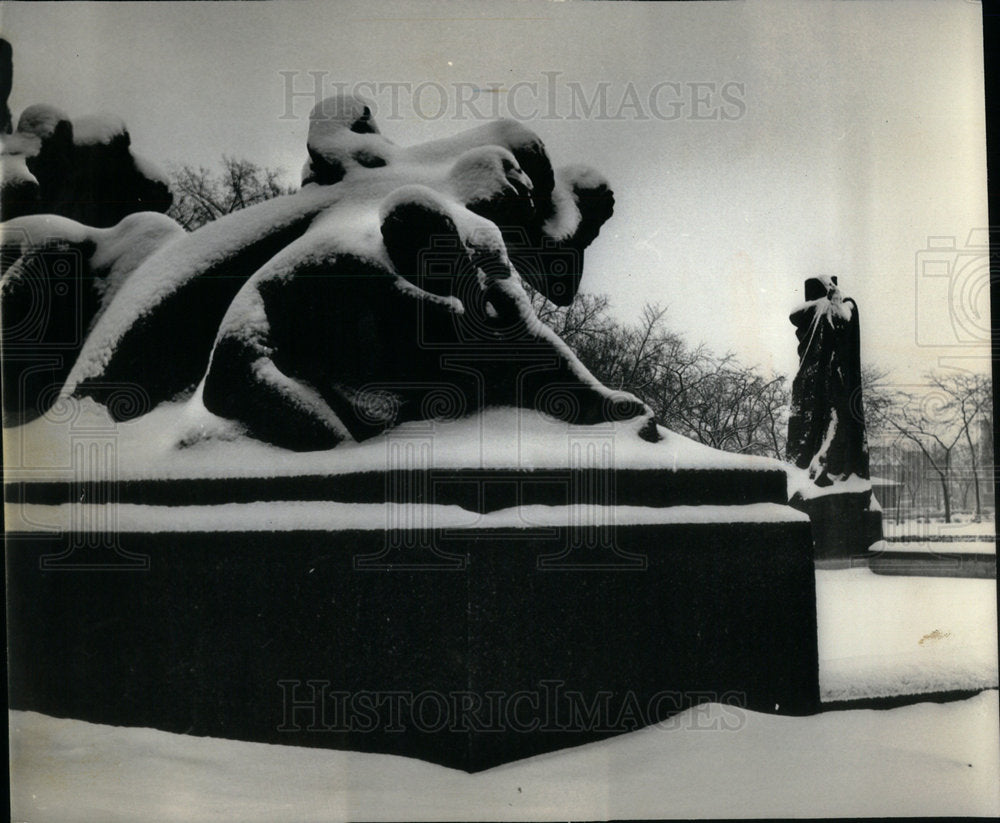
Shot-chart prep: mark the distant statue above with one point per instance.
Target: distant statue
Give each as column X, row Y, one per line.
column 826, row 430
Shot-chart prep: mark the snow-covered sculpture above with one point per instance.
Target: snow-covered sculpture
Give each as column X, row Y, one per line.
column 59, row 277
column 388, row 289
column 826, row 429
column 83, row 169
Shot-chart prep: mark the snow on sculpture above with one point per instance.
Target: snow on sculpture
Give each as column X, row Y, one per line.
column 83, row 169
column 826, row 428
column 387, row 289
column 385, row 293
column 59, row 277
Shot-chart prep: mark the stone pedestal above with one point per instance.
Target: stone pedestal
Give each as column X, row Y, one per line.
column 535, row 628
column 844, row 528
column 894, row 559
column 827, row 441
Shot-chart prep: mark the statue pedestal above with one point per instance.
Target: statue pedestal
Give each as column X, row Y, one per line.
column 844, row 527
column 479, row 616
column 287, row 638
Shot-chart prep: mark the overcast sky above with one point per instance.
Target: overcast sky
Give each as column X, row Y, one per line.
column 750, row 144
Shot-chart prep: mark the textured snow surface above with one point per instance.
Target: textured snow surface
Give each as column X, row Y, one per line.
column 14, row 169
column 882, row 635
column 800, row 483
column 162, row 274
column 712, row 761
column 327, row 516
column 121, row 247
column 498, row 438
column 23, row 232
column 111, row 254
column 94, row 129
column 40, row 119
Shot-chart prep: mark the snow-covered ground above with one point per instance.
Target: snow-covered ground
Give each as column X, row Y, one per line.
column 877, row 636
column 926, row 759
column 920, row 760
column 882, row 636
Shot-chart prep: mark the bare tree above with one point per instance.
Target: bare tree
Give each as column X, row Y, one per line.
column 935, row 437
column 877, row 395
column 969, row 398
column 715, row 400
column 749, row 409
column 938, row 419
column 201, row 196
column 891, row 452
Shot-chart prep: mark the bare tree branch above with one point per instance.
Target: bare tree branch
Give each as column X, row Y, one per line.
column 200, row 196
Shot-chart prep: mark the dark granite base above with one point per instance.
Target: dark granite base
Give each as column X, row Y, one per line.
column 938, row 564
column 897, row 701
column 479, row 490
column 314, row 639
column 843, row 526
